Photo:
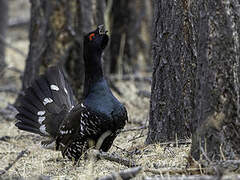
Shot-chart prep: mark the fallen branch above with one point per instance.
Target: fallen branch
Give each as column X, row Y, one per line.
column 20, row 155
column 140, row 123
column 174, row 143
column 221, row 166
column 113, row 158
column 9, row 89
column 143, row 93
column 131, row 77
column 193, row 177
column 5, row 138
column 124, row 175
column 14, row 69
column 134, row 129
column 173, row 171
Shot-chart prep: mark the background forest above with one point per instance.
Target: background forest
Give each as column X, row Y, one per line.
column 173, row 64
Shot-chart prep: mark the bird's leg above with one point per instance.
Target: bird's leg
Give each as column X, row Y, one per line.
column 102, row 138
column 49, row 144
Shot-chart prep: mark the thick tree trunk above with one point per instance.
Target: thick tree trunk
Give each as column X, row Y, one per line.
column 3, row 29
column 128, row 35
column 56, row 34
column 217, row 80
column 171, row 104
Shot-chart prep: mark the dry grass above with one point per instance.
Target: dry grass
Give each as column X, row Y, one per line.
column 46, row 162
column 128, row 144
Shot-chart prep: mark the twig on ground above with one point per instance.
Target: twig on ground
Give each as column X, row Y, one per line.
column 113, row 158
column 132, row 121
column 174, row 143
column 14, row 69
column 134, row 129
column 221, row 166
column 9, row 89
column 20, row 155
column 143, row 93
column 205, row 155
column 172, row 171
column 124, row 150
column 124, row 175
column 193, row 177
column 131, row 77
column 136, row 137
column 5, row 138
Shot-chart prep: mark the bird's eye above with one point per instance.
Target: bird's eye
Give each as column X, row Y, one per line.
column 91, row 36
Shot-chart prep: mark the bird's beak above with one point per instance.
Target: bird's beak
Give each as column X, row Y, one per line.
column 101, row 29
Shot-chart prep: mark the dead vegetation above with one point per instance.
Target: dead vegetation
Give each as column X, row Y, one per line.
column 21, row 155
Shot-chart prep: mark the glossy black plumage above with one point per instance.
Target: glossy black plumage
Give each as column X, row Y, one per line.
column 48, row 107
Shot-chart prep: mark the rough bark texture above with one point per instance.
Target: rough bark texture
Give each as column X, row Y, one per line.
column 127, row 34
column 3, row 28
column 171, row 105
column 217, row 79
column 56, row 34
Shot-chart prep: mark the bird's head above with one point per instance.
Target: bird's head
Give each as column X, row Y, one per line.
column 96, row 40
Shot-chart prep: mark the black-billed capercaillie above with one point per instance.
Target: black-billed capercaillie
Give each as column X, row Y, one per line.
column 49, row 109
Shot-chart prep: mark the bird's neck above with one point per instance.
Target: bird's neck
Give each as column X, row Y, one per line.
column 93, row 71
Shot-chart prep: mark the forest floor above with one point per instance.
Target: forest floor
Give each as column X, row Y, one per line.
column 37, row 161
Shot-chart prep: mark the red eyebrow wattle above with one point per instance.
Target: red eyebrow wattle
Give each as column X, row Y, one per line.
column 91, row 36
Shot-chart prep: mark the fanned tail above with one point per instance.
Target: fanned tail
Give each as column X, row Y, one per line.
column 45, row 104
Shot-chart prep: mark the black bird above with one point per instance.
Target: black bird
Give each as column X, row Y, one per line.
column 48, row 107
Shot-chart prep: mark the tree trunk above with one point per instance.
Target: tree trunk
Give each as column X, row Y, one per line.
column 3, row 30
column 56, row 35
column 217, row 81
column 171, row 104
column 128, row 35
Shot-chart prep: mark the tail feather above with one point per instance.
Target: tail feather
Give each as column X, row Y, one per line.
column 28, row 105
column 27, row 121
column 26, row 113
column 44, row 86
column 31, row 97
column 28, row 128
column 61, row 91
column 45, row 104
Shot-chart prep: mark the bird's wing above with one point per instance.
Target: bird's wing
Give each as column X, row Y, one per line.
column 45, row 104
column 84, row 121
column 84, row 124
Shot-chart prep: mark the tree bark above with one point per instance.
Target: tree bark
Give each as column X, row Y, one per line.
column 172, row 95
column 217, row 81
column 3, row 30
column 56, row 35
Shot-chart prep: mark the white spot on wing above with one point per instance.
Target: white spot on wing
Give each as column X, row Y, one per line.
column 41, row 119
column 47, row 100
column 65, row 90
column 41, row 113
column 83, row 105
column 54, row 87
column 43, row 129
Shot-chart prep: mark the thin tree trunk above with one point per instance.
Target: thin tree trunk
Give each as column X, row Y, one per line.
column 171, row 104
column 3, row 30
column 127, row 24
column 56, row 35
